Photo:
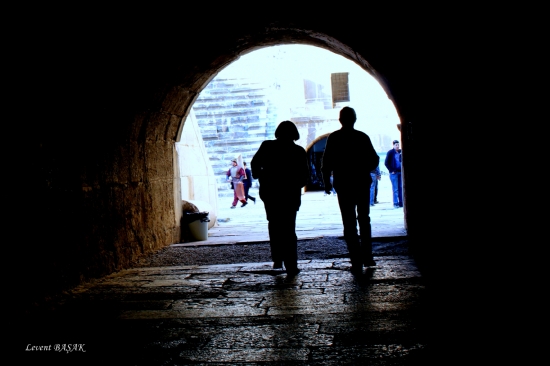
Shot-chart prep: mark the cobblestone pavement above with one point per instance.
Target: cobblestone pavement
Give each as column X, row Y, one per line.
column 170, row 310
column 237, row 314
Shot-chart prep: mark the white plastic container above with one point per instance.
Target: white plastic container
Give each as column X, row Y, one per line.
column 199, row 229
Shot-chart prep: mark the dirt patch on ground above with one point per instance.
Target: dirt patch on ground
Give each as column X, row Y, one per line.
column 320, row 248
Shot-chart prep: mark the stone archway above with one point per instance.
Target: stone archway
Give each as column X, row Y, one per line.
column 118, row 187
column 311, row 129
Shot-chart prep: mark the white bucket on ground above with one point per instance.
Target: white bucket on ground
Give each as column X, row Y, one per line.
column 199, row 230
column 205, row 206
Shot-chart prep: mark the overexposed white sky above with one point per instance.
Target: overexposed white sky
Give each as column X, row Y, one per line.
column 297, row 62
column 306, row 61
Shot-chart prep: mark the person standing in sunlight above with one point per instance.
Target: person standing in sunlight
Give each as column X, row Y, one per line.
column 236, row 175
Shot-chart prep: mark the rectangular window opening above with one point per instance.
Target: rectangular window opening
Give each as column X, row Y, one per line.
column 340, row 87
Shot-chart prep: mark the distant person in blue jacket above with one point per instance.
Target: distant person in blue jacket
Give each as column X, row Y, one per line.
column 393, row 164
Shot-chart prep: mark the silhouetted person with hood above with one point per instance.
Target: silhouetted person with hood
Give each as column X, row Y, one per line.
column 350, row 156
column 282, row 170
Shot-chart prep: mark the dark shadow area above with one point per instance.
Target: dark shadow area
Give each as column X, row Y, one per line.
column 319, row 248
column 314, row 157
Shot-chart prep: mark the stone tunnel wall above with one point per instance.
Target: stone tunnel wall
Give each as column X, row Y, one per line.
column 104, row 132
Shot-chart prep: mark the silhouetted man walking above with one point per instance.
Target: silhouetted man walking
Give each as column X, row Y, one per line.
column 350, row 156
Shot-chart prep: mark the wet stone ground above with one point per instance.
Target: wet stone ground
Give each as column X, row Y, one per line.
column 226, row 305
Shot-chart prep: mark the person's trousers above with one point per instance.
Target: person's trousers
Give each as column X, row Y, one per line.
column 282, row 234
column 235, row 198
column 397, row 187
column 373, row 188
column 355, row 208
column 246, row 195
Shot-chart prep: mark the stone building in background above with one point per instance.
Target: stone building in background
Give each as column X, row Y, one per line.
column 235, row 115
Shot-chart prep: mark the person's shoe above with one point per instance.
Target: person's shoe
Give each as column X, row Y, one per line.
column 232, row 206
column 376, row 202
column 253, row 199
column 356, row 269
column 369, row 263
column 395, row 206
column 244, row 204
column 356, row 266
column 292, row 272
column 278, row 265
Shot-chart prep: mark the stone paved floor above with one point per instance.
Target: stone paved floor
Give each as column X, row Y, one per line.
column 240, row 313
column 246, row 313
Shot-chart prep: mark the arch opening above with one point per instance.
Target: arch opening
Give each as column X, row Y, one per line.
column 242, row 104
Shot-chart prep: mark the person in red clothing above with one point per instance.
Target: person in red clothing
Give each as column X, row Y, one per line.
column 236, row 174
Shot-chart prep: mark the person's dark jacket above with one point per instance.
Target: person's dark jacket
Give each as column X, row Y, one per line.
column 248, row 181
column 282, row 170
column 350, row 156
column 390, row 162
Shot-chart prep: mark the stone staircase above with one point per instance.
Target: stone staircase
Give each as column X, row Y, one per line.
column 234, row 116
